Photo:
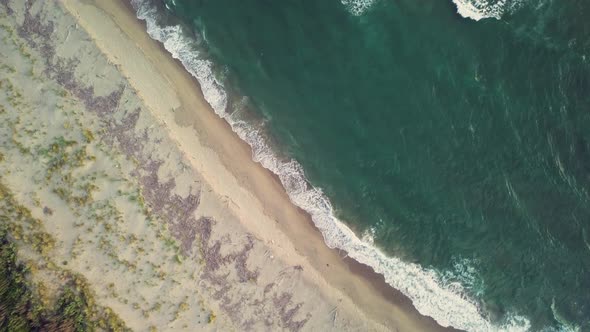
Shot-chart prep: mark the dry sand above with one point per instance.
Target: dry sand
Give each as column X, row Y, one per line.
column 151, row 197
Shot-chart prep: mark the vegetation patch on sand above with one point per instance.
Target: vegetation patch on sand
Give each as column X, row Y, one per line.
column 25, row 306
column 102, row 212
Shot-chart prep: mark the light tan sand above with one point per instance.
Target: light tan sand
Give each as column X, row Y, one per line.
column 181, row 229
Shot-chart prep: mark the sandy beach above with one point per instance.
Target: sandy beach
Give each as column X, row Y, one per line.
column 150, row 197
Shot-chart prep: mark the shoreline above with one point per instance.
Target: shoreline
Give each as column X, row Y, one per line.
column 374, row 280
column 358, row 281
column 430, row 294
column 127, row 178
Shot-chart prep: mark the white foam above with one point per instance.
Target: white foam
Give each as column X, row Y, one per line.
column 473, row 9
column 369, row 236
column 466, row 274
column 428, row 292
column 357, row 7
column 480, row 9
column 185, row 50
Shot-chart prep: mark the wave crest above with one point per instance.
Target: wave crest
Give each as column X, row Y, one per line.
column 473, row 9
column 480, row 9
column 357, row 7
column 447, row 304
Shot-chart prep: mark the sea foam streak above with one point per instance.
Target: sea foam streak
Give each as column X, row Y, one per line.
column 446, row 304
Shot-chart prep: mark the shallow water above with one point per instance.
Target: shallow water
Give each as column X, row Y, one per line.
column 460, row 147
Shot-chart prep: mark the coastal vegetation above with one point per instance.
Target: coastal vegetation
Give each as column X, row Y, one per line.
column 100, row 210
column 26, row 305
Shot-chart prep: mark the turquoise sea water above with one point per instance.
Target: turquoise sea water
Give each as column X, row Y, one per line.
column 458, row 143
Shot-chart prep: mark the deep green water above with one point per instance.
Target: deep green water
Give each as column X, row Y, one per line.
column 462, row 146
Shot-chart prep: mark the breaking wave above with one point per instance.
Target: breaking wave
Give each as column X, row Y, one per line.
column 473, row 9
column 437, row 295
column 357, row 7
column 480, row 9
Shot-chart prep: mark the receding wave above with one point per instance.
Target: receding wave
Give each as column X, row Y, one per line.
column 432, row 293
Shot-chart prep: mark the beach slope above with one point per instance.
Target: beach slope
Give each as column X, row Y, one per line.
column 147, row 198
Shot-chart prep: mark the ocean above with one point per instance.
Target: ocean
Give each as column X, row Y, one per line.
column 445, row 143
